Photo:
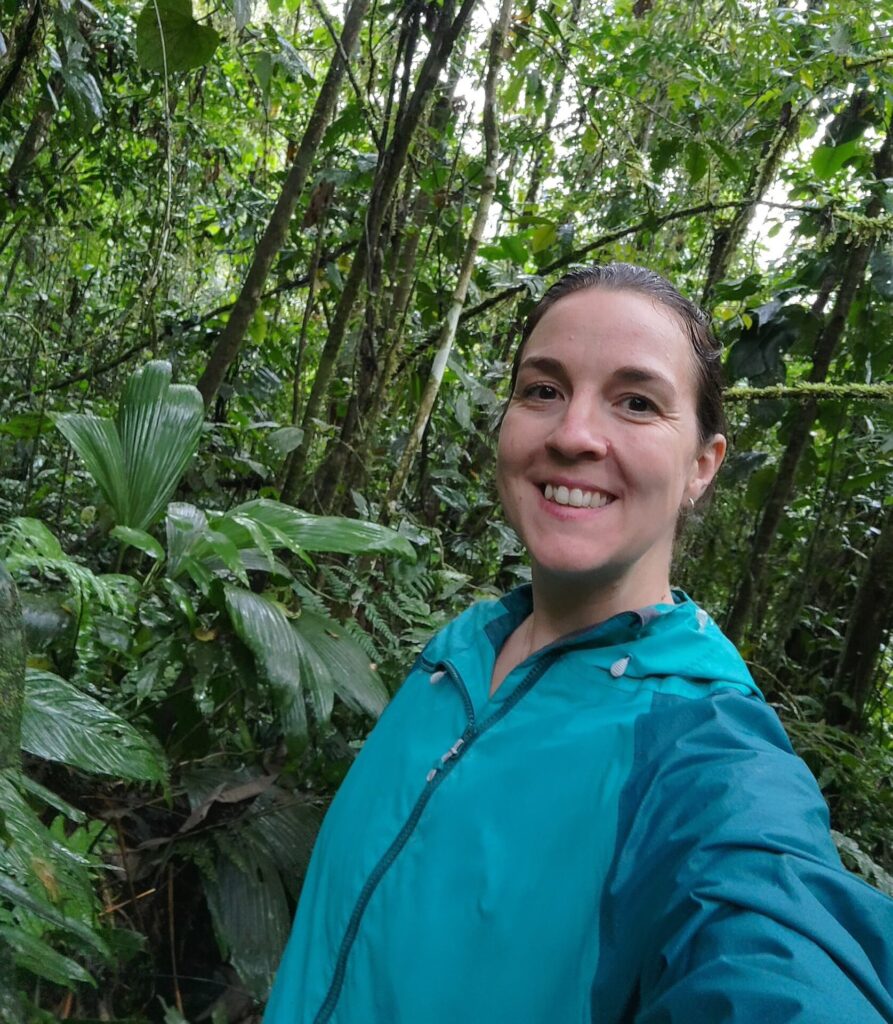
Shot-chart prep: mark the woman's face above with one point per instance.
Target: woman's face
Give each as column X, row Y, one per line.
column 599, row 447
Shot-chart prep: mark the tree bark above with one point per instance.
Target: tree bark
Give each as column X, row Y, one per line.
column 233, row 334
column 12, row 688
column 727, row 237
column 22, row 45
column 347, row 458
column 856, row 262
column 12, row 672
column 451, row 321
column 387, row 176
column 35, row 136
column 871, row 621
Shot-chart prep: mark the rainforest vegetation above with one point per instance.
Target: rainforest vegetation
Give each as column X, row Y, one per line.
column 263, row 264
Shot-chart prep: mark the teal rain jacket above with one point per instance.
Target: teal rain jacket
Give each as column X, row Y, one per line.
column 622, row 833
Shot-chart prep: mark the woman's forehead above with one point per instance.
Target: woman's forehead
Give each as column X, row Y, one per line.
column 605, row 326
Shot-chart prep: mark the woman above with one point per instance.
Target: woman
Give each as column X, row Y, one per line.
column 579, row 808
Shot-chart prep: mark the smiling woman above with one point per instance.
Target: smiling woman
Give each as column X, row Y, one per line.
column 579, row 808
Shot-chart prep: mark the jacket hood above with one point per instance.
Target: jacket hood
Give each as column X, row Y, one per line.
column 680, row 641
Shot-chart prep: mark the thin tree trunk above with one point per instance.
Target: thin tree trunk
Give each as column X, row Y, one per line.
column 555, row 98
column 390, row 167
column 22, row 44
column 871, row 620
column 347, row 458
column 826, row 345
column 12, row 672
column 451, row 321
column 727, row 237
column 233, row 334
column 12, row 686
column 35, row 136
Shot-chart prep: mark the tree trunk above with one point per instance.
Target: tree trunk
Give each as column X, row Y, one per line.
column 233, row 334
column 451, row 321
column 727, row 237
column 12, row 686
column 35, row 136
column 387, row 176
column 22, row 44
column 871, row 621
column 12, row 672
column 538, row 169
column 826, row 345
column 346, row 459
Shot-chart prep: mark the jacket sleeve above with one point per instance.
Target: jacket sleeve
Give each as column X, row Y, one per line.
column 743, row 910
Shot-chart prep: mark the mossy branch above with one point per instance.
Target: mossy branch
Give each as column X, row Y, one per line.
column 860, row 392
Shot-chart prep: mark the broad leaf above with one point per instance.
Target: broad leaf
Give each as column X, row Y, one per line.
column 95, row 439
column 140, row 540
column 138, row 459
column 169, row 39
column 266, row 630
column 251, row 916
column 159, row 424
column 827, row 160
column 39, row 874
column 61, row 723
column 301, row 531
column 347, row 664
column 33, row 954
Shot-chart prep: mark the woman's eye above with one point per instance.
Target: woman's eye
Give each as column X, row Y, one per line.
column 639, row 404
column 541, row 392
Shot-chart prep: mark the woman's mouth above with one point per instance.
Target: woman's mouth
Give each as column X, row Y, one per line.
column 576, row 497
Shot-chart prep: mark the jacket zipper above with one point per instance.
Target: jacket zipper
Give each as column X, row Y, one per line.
column 434, row 778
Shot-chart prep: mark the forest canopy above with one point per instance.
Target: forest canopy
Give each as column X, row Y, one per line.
column 263, row 267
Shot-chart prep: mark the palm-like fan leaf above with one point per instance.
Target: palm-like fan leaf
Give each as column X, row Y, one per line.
column 138, row 459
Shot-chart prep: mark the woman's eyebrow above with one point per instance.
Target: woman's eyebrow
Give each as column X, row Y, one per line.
column 545, row 364
column 639, row 375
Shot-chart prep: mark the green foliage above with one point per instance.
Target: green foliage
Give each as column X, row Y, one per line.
column 221, row 654
column 63, row 724
column 169, row 39
column 138, row 459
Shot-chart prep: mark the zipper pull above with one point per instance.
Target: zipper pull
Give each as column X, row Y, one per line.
column 448, row 756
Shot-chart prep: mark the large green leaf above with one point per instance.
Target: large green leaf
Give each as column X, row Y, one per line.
column 346, row 664
column 95, row 439
column 33, row 954
column 29, row 545
column 39, row 874
column 168, row 38
column 140, row 540
column 265, row 629
column 251, row 915
column 138, row 459
column 827, row 160
column 312, row 652
column 61, row 723
column 300, row 531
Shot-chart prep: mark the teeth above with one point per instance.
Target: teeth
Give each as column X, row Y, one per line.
column 576, row 497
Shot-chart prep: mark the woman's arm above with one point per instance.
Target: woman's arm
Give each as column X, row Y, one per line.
column 736, row 903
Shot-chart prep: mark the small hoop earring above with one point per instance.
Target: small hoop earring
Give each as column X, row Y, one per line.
column 691, row 502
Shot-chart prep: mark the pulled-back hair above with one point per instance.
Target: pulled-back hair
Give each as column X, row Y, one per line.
column 629, row 277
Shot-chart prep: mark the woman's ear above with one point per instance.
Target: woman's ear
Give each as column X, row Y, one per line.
column 706, row 466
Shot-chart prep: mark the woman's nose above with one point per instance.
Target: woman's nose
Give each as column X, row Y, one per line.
column 580, row 432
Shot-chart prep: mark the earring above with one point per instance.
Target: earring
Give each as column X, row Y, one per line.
column 691, row 502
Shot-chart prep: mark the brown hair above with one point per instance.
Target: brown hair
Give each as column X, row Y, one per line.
column 629, row 277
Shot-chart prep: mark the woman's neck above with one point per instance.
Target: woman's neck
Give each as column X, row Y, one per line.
column 560, row 607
